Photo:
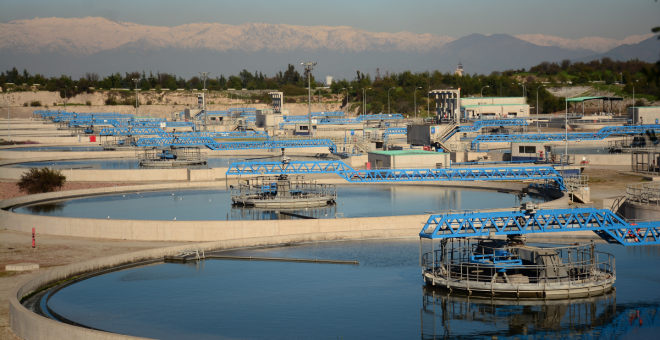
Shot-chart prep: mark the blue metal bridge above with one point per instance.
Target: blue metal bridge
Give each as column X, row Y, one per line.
column 394, row 131
column 136, row 131
column 292, row 120
column 213, row 145
column 573, row 136
column 398, row 175
column 603, row 222
column 477, row 125
column 128, row 123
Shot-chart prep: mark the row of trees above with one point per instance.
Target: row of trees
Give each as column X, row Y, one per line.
column 395, row 92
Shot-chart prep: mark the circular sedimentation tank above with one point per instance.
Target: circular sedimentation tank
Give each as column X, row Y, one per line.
column 380, row 296
column 206, row 204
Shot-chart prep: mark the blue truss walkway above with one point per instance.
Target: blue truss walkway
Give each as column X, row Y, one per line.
column 573, row 136
column 477, row 125
column 213, row 145
column 603, row 222
column 398, row 175
column 159, row 132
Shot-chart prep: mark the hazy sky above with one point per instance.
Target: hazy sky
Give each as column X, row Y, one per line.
column 563, row 18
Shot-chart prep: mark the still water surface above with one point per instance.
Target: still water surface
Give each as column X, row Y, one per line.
column 202, row 205
column 382, row 297
column 58, row 148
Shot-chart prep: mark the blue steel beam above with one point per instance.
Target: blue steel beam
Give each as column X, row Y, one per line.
column 394, row 131
column 258, row 168
column 401, row 175
column 213, row 145
column 158, row 131
column 131, row 132
column 229, row 134
column 392, row 116
column 603, row 222
column 476, row 126
column 573, row 136
column 302, row 143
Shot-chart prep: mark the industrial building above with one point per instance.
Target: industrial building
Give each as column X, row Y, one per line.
column 644, row 114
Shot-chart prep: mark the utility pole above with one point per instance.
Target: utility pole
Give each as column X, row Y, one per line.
column 309, row 66
column 136, row 80
column 204, row 76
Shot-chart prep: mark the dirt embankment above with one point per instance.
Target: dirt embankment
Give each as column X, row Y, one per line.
column 152, row 103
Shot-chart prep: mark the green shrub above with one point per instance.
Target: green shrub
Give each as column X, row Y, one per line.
column 43, row 180
column 25, row 104
column 35, row 103
column 88, row 103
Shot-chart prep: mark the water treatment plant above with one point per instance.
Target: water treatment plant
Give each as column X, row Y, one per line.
column 479, row 222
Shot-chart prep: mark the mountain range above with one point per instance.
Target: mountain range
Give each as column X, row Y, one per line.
column 54, row 46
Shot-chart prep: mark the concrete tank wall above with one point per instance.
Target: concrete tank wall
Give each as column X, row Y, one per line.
column 634, row 211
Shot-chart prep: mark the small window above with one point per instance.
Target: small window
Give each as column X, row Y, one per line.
column 303, row 128
column 527, row 149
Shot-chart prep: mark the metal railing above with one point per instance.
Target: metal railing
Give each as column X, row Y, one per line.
column 579, row 264
column 643, row 193
column 265, row 188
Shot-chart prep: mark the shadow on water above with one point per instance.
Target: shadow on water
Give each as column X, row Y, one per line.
column 444, row 315
column 46, row 208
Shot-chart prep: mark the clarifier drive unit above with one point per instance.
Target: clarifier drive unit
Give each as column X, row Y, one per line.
column 283, row 192
column 509, row 267
column 171, row 157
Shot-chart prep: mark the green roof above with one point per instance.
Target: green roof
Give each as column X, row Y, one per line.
column 412, row 152
column 581, row 99
column 488, row 97
column 477, row 105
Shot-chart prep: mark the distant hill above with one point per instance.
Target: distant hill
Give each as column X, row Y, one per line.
column 55, row 46
column 595, row 44
column 647, row 50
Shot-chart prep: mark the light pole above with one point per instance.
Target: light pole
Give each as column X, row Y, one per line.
column 309, row 66
column 523, row 85
column 8, row 124
column 66, row 99
column 537, row 108
column 204, row 76
column 633, row 103
column 415, row 96
column 482, row 96
column 428, row 102
column 364, row 101
column 566, row 121
column 343, row 88
column 389, row 111
column 136, row 80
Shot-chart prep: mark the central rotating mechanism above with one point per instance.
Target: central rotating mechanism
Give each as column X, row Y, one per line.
column 283, row 192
